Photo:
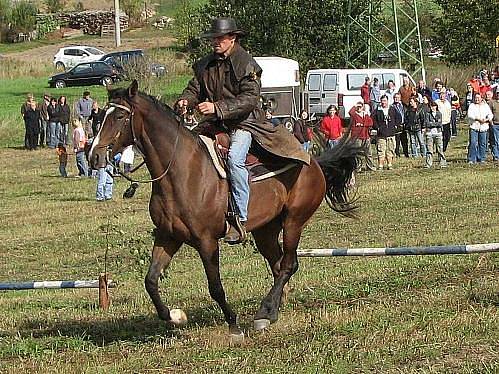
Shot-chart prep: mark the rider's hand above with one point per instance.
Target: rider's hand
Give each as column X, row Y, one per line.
column 182, row 105
column 206, row 108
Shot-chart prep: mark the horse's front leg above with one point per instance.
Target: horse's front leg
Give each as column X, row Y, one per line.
column 163, row 251
column 269, row 309
column 209, row 252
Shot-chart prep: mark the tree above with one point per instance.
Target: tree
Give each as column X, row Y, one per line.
column 5, row 11
column 23, row 17
column 467, row 30
column 133, row 8
column 298, row 29
column 55, row 6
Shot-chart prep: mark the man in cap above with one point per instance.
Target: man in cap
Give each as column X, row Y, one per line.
column 84, row 110
column 226, row 90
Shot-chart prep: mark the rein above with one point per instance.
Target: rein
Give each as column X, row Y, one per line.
column 170, row 163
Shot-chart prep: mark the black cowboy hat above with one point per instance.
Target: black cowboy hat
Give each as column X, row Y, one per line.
column 222, row 26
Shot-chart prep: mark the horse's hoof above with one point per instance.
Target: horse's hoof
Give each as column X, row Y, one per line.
column 261, row 324
column 236, row 338
column 178, row 317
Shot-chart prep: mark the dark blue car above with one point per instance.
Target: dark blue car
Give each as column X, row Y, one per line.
column 86, row 74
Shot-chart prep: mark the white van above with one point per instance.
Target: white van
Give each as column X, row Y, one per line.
column 280, row 86
column 341, row 87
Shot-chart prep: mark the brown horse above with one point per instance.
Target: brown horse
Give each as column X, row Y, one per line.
column 189, row 200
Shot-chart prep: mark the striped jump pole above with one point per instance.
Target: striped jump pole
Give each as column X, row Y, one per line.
column 401, row 251
column 102, row 284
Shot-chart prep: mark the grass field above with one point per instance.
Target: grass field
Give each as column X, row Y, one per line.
column 435, row 314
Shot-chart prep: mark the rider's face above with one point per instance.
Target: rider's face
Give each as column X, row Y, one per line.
column 223, row 44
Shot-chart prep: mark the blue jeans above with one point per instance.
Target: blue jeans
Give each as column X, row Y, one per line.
column 52, row 134
column 104, row 184
column 495, row 145
column 62, row 170
column 306, row 146
column 477, row 149
column 418, row 146
column 81, row 164
column 331, row 143
column 239, row 147
column 62, row 133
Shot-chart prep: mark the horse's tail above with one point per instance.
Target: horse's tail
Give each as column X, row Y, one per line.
column 338, row 165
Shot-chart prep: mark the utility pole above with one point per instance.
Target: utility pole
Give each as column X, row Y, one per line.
column 117, row 26
column 370, row 33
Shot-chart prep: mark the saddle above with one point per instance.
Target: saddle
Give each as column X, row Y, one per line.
column 259, row 163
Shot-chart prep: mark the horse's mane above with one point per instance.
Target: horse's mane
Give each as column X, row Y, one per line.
column 122, row 93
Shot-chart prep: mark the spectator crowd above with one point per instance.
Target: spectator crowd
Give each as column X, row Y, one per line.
column 419, row 122
column 47, row 125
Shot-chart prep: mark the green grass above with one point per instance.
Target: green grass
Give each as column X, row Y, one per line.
column 434, row 314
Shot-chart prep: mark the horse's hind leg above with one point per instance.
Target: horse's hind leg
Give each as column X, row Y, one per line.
column 209, row 252
column 267, row 242
column 162, row 254
column 269, row 309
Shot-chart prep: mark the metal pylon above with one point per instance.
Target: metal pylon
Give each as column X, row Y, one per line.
column 376, row 37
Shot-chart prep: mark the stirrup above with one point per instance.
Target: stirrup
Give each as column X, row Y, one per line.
column 237, row 232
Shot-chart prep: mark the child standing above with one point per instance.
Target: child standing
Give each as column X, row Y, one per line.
column 63, row 159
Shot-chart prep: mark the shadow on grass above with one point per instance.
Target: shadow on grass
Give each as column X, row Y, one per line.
column 138, row 329
column 485, row 299
column 102, row 332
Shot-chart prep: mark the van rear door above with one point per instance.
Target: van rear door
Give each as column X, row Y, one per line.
column 314, row 83
column 329, row 91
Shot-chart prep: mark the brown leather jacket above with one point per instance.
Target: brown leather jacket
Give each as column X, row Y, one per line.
column 233, row 85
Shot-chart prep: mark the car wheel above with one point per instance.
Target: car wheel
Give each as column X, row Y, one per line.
column 60, row 84
column 107, row 81
column 60, row 66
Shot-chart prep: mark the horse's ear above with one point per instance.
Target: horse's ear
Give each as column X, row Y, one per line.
column 133, row 89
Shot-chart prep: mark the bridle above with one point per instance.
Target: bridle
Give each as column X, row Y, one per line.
column 129, row 120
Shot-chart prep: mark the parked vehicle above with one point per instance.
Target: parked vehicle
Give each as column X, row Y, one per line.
column 68, row 57
column 86, row 74
column 341, row 87
column 281, row 88
column 133, row 62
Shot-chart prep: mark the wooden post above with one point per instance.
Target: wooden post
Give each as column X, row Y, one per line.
column 103, row 294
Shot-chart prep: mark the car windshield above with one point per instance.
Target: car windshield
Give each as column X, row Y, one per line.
column 94, row 51
column 82, row 68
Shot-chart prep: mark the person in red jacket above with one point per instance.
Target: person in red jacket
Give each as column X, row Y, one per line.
column 331, row 126
column 365, row 91
column 361, row 124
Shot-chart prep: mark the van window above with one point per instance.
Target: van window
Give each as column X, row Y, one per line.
column 355, row 81
column 388, row 77
column 329, row 82
column 314, row 82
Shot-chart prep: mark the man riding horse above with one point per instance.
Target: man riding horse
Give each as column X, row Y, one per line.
column 226, row 88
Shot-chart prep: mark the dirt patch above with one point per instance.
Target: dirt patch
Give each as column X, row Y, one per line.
column 46, row 53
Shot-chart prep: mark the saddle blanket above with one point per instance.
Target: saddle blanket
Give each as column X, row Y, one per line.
column 257, row 172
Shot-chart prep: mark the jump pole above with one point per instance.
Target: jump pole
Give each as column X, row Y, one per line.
column 102, row 284
column 401, row 251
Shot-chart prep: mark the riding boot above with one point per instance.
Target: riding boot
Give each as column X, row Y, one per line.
column 237, row 231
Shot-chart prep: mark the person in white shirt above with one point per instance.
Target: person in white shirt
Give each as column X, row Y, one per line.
column 479, row 116
column 445, row 108
column 390, row 91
